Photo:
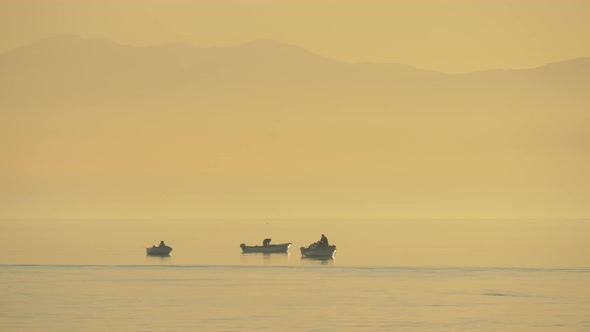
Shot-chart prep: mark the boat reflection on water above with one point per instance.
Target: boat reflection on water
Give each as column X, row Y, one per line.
column 263, row 258
column 317, row 260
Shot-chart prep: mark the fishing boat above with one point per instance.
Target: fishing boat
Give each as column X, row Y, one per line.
column 266, row 247
column 318, row 250
column 161, row 250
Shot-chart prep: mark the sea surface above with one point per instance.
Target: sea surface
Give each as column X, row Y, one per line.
column 388, row 275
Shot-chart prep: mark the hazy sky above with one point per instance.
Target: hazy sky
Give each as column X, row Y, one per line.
column 449, row 36
column 93, row 129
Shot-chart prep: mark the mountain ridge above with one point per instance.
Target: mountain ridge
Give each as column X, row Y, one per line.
column 257, row 46
column 70, row 70
column 251, row 126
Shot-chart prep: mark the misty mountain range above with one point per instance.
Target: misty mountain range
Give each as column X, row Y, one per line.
column 268, row 121
column 68, row 70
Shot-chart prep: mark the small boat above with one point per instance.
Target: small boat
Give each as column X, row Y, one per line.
column 317, row 250
column 161, row 250
column 266, row 247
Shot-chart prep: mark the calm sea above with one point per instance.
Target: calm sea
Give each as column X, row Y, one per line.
column 412, row 275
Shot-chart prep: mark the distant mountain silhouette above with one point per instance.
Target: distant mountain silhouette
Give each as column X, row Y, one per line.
column 268, row 115
column 71, row 69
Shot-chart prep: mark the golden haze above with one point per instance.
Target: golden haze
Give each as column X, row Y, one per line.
column 97, row 128
column 448, row 36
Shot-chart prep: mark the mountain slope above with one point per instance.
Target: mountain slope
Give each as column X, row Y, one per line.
column 73, row 70
column 180, row 130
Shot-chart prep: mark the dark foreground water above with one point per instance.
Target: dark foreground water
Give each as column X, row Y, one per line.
column 315, row 296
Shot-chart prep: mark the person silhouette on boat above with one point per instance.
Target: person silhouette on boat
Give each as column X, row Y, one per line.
column 323, row 241
column 266, row 242
column 162, row 243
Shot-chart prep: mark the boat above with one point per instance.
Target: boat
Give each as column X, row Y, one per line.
column 317, row 250
column 266, row 247
column 161, row 250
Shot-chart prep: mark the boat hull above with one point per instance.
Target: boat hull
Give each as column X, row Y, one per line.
column 158, row 251
column 316, row 250
column 273, row 248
